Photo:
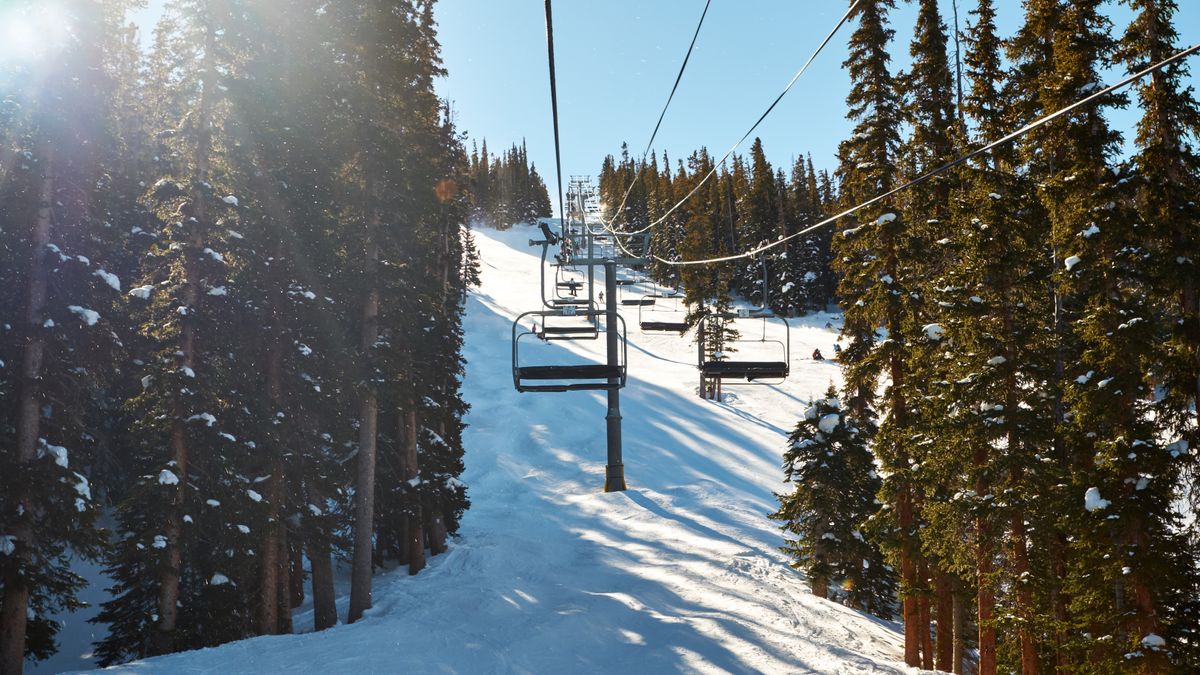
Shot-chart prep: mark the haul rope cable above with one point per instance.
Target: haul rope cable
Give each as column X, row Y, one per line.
column 554, row 113
column 770, row 108
column 646, row 152
column 946, row 167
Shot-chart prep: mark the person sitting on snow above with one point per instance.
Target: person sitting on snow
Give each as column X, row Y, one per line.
column 817, row 355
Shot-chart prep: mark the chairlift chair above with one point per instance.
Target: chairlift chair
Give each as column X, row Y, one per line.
column 660, row 320
column 760, row 371
column 565, row 377
column 580, row 328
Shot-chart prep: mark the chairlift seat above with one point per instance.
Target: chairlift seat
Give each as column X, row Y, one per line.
column 638, row 302
column 569, row 378
column 576, row 302
column 580, row 372
column 665, row 326
column 747, row 370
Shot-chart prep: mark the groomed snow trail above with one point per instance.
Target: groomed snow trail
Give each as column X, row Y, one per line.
column 681, row 573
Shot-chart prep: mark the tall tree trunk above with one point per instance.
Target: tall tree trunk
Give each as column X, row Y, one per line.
column 984, row 569
column 944, row 589
column 324, row 606
column 908, row 578
column 409, row 470
column 282, row 596
column 1024, row 605
column 268, row 617
column 925, row 616
column 14, row 604
column 296, row 576
column 364, row 483
column 960, row 630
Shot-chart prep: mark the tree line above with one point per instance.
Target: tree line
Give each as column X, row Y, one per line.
column 231, row 281
column 506, row 189
column 1013, row 449
column 743, row 204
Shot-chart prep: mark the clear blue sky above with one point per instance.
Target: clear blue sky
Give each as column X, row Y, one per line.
column 616, row 60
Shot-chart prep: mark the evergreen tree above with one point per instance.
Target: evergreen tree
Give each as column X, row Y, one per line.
column 54, row 334
column 868, row 258
column 835, row 484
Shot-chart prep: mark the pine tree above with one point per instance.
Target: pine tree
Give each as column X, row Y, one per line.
column 868, row 258
column 929, row 112
column 835, row 484
column 174, row 590
column 58, row 321
column 1166, row 169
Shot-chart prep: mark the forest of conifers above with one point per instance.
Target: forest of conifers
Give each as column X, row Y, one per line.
column 1015, row 480
column 231, row 279
column 232, row 270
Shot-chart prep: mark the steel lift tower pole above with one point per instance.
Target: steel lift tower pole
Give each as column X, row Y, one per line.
column 614, row 473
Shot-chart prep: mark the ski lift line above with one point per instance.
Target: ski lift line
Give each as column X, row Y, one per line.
column 663, row 114
column 770, row 108
column 554, row 111
column 1190, row 51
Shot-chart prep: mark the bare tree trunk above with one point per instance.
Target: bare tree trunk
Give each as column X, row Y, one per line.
column 268, row 618
column 282, row 597
column 984, row 570
column 925, row 616
column 268, row 601
column 409, row 470
column 14, row 604
column 364, row 484
column 1029, row 657
column 960, row 630
column 945, row 620
column 324, row 607
column 297, row 572
column 908, row 577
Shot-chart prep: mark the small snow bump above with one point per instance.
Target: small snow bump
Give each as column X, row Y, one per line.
column 109, row 278
column 1092, row 501
column 1072, row 261
column 88, row 316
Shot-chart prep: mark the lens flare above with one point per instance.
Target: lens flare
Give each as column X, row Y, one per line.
column 30, row 31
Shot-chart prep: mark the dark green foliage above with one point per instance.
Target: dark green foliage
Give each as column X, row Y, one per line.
column 824, row 515
column 506, row 189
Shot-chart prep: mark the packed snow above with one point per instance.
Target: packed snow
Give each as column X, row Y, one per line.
column 549, row 574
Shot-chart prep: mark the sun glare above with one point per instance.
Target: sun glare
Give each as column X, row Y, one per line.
column 29, row 31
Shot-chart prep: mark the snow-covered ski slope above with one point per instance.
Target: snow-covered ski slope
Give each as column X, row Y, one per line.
column 681, row 573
